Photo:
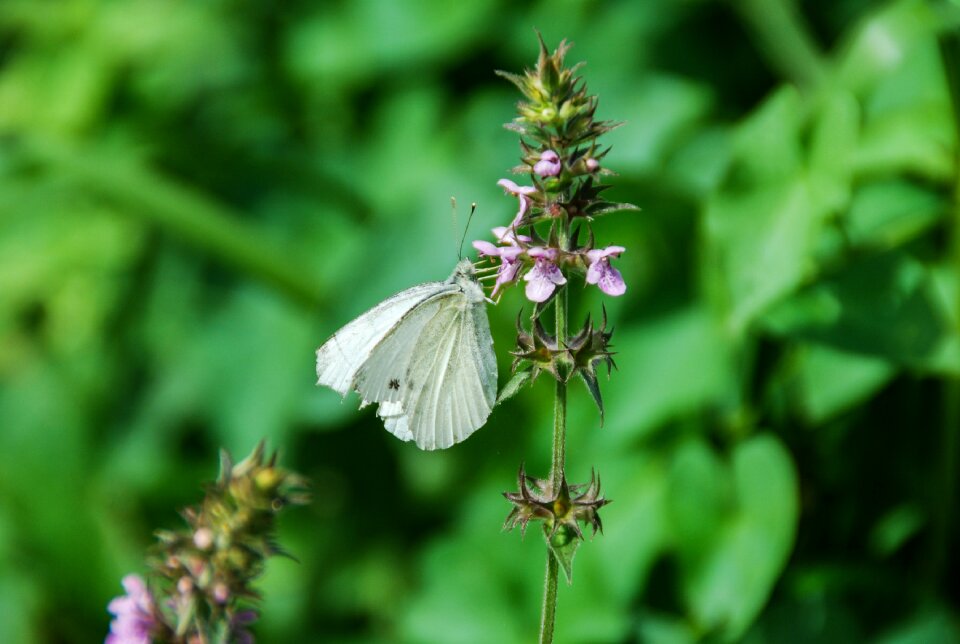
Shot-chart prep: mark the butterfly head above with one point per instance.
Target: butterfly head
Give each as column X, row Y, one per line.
column 464, row 276
column 464, row 270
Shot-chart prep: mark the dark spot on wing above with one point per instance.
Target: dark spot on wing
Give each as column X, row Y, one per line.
column 394, row 384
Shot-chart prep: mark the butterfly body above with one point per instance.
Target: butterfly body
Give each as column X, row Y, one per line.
column 425, row 356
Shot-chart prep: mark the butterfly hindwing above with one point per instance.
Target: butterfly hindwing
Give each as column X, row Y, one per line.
column 451, row 395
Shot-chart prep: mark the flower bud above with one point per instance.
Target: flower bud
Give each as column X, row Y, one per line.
column 221, row 593
column 549, row 164
column 203, row 538
column 185, row 585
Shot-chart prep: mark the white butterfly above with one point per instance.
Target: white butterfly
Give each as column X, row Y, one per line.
column 426, row 355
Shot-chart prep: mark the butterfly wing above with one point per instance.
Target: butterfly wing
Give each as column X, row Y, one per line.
column 340, row 357
column 452, row 377
column 425, row 355
column 384, row 376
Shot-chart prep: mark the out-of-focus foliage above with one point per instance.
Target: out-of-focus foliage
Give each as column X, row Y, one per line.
column 193, row 195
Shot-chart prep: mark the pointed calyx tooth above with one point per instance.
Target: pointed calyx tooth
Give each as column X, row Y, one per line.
column 567, row 506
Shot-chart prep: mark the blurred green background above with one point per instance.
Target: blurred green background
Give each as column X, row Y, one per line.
column 194, row 195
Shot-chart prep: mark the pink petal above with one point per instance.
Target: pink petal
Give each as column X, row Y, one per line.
column 599, row 253
column 549, row 155
column 613, row 251
column 486, row 249
column 538, row 252
column 506, row 275
column 134, row 585
column 538, row 289
column 542, row 279
column 594, row 271
column 514, row 189
column 510, row 253
column 611, row 282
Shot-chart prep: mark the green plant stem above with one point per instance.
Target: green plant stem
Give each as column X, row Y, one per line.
column 179, row 210
column 557, row 473
column 560, row 400
column 548, row 617
column 784, row 40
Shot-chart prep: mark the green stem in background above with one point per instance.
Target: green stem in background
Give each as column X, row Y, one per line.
column 179, row 210
column 557, row 473
column 942, row 520
column 784, row 40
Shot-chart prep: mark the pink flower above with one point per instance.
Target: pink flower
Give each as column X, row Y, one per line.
column 592, row 165
column 601, row 273
column 548, row 165
column 520, row 192
column 544, row 277
column 509, row 264
column 134, row 614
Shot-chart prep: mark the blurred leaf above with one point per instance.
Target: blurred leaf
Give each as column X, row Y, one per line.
column 936, row 625
column 728, row 584
column 829, row 381
column 875, row 48
column 887, row 214
column 661, row 629
column 833, row 145
column 700, row 498
column 682, row 364
column 884, row 306
column 895, row 528
column 762, row 226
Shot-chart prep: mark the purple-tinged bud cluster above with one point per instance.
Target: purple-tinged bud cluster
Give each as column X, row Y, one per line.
column 205, row 573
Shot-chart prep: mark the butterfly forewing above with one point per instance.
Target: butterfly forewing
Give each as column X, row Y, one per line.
column 340, row 357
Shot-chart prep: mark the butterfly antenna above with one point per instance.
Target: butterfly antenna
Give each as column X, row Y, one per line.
column 473, row 209
column 453, row 219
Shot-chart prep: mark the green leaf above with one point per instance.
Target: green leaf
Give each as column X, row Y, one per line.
column 763, row 225
column 886, row 306
column 659, row 354
column 829, row 381
column 833, row 145
column 728, row 584
column 888, row 213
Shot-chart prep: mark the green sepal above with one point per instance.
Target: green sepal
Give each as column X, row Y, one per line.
column 516, row 79
column 563, row 546
column 590, row 380
column 605, row 208
column 515, row 384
